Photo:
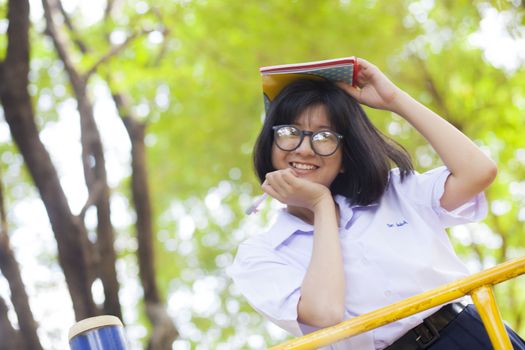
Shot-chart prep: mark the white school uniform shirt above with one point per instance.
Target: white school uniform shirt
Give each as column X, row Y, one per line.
column 392, row 249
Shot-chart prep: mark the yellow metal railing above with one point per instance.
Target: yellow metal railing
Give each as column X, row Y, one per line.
column 478, row 286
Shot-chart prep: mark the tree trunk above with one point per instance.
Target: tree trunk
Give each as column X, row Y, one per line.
column 70, row 234
column 94, row 168
column 164, row 331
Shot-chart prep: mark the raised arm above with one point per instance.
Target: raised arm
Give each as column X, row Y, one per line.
column 471, row 170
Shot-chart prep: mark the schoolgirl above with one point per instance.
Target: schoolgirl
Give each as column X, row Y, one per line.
column 357, row 235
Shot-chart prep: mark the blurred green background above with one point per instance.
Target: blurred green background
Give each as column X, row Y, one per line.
column 192, row 72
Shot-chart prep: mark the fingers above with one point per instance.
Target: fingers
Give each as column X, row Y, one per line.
column 285, row 186
column 362, row 74
column 351, row 90
column 365, row 66
column 267, row 188
column 362, row 62
column 278, row 184
column 367, row 71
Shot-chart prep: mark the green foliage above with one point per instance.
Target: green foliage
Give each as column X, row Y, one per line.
column 3, row 39
column 193, row 75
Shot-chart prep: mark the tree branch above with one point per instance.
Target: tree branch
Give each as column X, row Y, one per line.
column 11, row 338
column 434, row 92
column 93, row 197
column 94, row 166
column 59, row 42
column 115, row 50
column 142, row 204
column 11, row 271
column 164, row 331
column 79, row 43
column 110, row 7
column 165, row 33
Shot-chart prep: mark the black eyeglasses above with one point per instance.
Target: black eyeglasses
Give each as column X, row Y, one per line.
column 289, row 138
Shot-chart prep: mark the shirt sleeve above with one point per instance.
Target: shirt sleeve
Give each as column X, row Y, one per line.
column 270, row 284
column 427, row 189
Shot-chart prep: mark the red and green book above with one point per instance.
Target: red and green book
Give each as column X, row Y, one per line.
column 275, row 78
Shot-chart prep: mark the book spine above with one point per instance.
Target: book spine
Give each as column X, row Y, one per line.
column 356, row 71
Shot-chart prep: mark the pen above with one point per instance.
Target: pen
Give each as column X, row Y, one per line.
column 253, row 208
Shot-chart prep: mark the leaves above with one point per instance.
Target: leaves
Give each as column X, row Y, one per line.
column 192, row 73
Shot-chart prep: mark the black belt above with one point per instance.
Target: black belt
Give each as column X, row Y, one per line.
column 426, row 333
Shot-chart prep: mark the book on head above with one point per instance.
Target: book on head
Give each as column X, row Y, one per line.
column 275, row 78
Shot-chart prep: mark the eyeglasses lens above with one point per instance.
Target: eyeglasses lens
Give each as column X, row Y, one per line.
column 288, row 138
column 324, row 142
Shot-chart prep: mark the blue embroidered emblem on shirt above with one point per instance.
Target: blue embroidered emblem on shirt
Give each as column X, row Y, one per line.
column 398, row 223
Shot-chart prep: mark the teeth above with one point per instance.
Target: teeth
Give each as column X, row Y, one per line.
column 303, row 166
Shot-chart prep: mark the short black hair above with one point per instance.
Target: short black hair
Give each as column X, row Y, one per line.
column 367, row 153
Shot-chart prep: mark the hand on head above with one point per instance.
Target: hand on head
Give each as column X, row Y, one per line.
column 374, row 89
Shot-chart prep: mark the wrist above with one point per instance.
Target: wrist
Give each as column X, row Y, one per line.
column 400, row 102
column 325, row 202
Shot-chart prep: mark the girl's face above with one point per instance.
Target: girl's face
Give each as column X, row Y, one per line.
column 305, row 162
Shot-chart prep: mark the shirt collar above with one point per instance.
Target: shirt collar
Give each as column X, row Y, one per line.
column 287, row 224
column 345, row 203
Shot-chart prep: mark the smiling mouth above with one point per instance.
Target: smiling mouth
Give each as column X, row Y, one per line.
column 303, row 166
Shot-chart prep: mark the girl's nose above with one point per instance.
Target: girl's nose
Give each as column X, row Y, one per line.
column 305, row 147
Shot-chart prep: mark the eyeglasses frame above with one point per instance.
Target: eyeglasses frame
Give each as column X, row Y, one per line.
column 306, row 133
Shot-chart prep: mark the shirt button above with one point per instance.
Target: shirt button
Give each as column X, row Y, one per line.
column 364, row 261
column 388, row 292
